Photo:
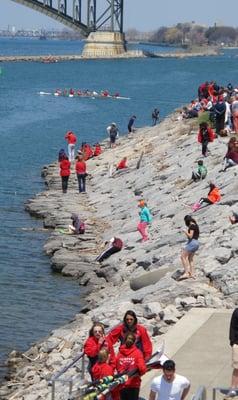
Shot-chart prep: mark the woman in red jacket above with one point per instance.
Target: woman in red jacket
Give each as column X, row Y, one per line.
column 130, row 324
column 128, row 359
column 80, row 168
column 97, row 341
column 64, row 173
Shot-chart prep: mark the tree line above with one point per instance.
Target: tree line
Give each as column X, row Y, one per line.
column 189, row 34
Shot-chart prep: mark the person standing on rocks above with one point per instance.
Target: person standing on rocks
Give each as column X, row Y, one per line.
column 130, row 357
column 169, row 386
column 192, row 233
column 131, row 123
column 80, row 168
column 145, row 220
column 155, row 116
column 130, row 324
column 113, row 133
column 95, row 342
column 71, row 139
column 65, row 173
column 205, row 135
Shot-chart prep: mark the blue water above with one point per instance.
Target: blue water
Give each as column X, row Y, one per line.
column 33, row 301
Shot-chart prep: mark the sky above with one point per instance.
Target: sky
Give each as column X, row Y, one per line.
column 143, row 15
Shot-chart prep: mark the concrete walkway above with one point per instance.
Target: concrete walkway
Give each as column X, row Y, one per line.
column 199, row 344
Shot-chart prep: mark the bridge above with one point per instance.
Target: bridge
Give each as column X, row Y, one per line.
column 82, row 15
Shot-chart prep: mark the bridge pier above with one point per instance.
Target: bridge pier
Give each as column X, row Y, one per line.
column 104, row 44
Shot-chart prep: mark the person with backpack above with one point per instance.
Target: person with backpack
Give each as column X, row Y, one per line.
column 113, row 246
column 205, row 135
column 78, row 226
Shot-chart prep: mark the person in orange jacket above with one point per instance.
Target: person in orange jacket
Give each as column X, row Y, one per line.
column 128, row 359
column 214, row 195
column 205, row 135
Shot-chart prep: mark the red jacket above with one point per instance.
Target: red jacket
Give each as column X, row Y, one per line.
column 92, row 347
column 80, row 167
column 97, row 150
column 122, row 164
column 99, row 371
column 143, row 341
column 65, row 168
column 70, row 137
column 129, row 359
column 211, row 135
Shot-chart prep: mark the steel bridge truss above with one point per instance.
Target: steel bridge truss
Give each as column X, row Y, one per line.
column 81, row 15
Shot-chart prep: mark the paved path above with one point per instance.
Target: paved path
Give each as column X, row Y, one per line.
column 199, row 345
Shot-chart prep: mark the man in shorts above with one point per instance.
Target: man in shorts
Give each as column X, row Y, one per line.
column 169, row 386
column 233, row 336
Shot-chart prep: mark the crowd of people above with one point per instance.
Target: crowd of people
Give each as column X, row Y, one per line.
column 133, row 359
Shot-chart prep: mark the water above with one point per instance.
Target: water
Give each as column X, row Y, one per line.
column 33, row 301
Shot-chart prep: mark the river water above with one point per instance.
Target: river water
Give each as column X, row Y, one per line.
column 33, row 300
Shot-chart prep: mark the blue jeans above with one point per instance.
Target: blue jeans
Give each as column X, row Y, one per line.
column 82, row 182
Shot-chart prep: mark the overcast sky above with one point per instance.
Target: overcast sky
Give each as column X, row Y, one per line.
column 144, row 15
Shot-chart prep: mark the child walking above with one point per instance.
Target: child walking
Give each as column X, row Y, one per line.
column 145, row 220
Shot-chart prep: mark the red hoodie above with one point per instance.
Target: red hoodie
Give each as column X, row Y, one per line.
column 100, row 370
column 211, row 135
column 70, row 137
column 127, row 360
column 122, row 164
column 65, row 168
column 143, row 341
column 92, row 347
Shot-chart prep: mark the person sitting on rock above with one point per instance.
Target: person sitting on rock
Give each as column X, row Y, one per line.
column 113, row 246
column 97, row 341
column 214, row 195
column 233, row 218
column 97, row 150
column 231, row 157
column 78, row 226
column 130, row 324
column 201, row 172
column 122, row 164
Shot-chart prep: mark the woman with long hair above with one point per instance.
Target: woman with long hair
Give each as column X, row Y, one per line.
column 192, row 245
column 130, row 324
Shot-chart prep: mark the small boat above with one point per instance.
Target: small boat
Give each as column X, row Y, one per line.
column 84, row 94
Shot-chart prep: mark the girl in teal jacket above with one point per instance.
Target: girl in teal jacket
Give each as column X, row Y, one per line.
column 145, row 219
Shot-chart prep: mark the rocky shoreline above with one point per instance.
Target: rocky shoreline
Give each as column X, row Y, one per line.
column 110, row 208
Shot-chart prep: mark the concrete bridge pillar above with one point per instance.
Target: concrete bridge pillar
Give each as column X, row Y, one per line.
column 106, row 44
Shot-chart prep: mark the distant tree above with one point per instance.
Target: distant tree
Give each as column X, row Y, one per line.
column 218, row 34
column 159, row 35
column 173, row 36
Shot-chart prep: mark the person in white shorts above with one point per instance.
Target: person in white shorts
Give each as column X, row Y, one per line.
column 169, row 386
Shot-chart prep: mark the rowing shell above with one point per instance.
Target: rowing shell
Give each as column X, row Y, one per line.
column 84, row 96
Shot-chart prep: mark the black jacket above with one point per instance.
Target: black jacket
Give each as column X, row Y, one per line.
column 234, row 328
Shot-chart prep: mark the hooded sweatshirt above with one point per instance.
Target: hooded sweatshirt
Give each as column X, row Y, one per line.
column 92, row 347
column 214, row 195
column 128, row 359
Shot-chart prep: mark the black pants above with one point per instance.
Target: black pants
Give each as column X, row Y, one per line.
column 129, row 128
column 205, row 200
column 220, row 123
column 64, row 183
column 129, row 394
column 204, row 147
column 107, row 253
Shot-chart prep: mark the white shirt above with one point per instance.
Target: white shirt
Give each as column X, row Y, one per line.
column 169, row 390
